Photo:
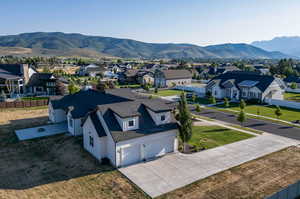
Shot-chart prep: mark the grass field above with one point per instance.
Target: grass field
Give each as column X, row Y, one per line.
column 269, row 111
column 292, row 97
column 214, row 136
column 168, row 92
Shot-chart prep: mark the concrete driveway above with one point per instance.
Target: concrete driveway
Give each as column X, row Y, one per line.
column 32, row 133
column 177, row 170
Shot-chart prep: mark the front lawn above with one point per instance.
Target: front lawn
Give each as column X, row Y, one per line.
column 292, row 97
column 214, row 136
column 168, row 92
column 269, row 111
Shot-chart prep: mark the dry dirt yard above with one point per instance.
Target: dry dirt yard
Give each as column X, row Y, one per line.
column 253, row 180
column 53, row 167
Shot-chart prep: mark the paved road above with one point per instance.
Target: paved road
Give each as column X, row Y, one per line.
column 177, row 170
column 263, row 125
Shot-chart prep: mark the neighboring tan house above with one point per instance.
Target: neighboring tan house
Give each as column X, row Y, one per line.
column 14, row 78
column 169, row 78
column 145, row 77
column 118, row 125
column 44, row 84
column 238, row 85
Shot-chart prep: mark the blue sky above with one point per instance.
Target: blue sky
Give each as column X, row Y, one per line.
column 199, row 22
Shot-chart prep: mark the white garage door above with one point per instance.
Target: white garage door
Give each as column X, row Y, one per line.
column 159, row 147
column 130, row 155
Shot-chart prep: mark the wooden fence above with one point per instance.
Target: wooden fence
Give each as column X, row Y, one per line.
column 24, row 103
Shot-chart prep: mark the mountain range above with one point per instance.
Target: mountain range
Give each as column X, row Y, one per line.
column 287, row 45
column 73, row 44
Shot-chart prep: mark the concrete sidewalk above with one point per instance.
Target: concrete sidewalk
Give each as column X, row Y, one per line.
column 177, row 170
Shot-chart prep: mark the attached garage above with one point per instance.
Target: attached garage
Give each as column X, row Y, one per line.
column 130, row 155
column 145, row 148
column 159, row 148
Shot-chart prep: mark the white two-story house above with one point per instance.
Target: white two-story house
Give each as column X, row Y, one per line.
column 118, row 125
column 238, row 85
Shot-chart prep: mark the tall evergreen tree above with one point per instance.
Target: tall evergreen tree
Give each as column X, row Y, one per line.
column 185, row 122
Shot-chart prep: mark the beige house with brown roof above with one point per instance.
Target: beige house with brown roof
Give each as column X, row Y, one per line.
column 170, row 78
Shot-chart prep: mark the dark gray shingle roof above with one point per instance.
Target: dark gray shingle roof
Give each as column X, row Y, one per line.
column 239, row 76
column 146, row 125
column 86, row 101
column 97, row 124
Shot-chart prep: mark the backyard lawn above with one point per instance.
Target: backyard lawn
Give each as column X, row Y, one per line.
column 292, row 97
column 269, row 111
column 214, row 136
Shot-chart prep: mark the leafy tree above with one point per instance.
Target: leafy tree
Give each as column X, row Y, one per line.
column 73, row 88
column 194, row 97
column 101, row 86
column 242, row 104
column 241, row 117
column 46, row 70
column 150, row 96
column 278, row 112
column 147, row 87
column 185, row 122
column 197, row 108
column 226, row 102
column 294, row 85
column 212, row 100
column 60, row 88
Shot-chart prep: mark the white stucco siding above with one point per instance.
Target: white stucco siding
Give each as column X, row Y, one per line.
column 277, row 91
column 56, row 115
column 74, row 125
column 110, row 144
column 31, row 72
column 124, row 123
column 168, row 143
column 158, row 116
column 251, row 93
column 98, row 148
column 217, row 92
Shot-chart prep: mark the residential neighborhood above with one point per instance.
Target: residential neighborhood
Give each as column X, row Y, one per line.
column 150, row 99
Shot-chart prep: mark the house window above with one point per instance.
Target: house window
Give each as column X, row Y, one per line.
column 91, row 141
column 130, row 123
column 162, row 117
column 70, row 122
